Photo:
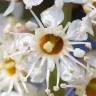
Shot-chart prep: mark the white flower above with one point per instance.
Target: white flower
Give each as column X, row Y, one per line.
column 70, row 70
column 12, row 73
column 80, row 29
column 85, row 83
column 51, row 46
column 48, row 18
column 30, row 3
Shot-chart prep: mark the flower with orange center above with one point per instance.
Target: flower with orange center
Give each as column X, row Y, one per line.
column 85, row 84
column 12, row 75
column 51, row 46
column 10, row 66
column 87, row 87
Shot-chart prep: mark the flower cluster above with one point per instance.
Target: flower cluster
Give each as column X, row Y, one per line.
column 30, row 51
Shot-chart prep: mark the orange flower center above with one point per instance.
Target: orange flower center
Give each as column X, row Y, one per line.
column 51, row 44
column 9, row 64
column 91, row 88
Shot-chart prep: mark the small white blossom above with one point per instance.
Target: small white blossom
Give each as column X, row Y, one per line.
column 12, row 73
column 85, row 83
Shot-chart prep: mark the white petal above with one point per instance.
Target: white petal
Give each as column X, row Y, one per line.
column 74, row 1
column 10, row 94
column 76, row 32
column 39, row 74
column 92, row 14
column 87, row 25
column 31, row 25
column 51, row 64
column 3, row 22
column 10, row 8
column 30, row 3
column 18, row 11
column 4, row 83
column 91, row 58
column 24, row 42
column 79, row 52
column 37, row 89
column 59, row 3
column 52, row 16
column 70, row 70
